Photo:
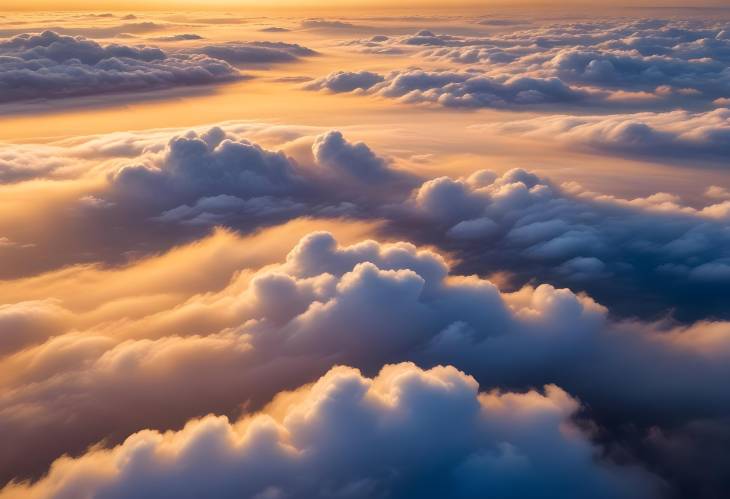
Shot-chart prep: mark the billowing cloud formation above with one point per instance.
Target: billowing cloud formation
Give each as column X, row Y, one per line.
column 454, row 89
column 674, row 255
column 671, row 255
column 50, row 65
column 159, row 192
column 256, row 52
column 346, row 81
column 646, row 62
column 364, row 305
column 660, row 136
column 195, row 166
column 406, row 431
column 170, row 293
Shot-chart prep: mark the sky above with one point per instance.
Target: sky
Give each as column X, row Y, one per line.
column 332, row 6
column 333, row 250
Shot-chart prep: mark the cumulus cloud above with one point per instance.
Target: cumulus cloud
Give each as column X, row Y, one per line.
column 213, row 164
column 404, row 431
column 167, row 192
column 610, row 247
column 327, row 24
column 519, row 282
column 346, row 81
column 649, row 62
column 234, row 348
column 660, row 136
column 256, row 52
column 50, row 65
column 179, row 38
column 159, row 192
column 454, row 89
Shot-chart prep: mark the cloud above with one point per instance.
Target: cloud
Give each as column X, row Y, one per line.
column 455, row 89
column 168, row 299
column 159, row 192
column 527, row 226
column 213, row 164
column 256, row 52
column 163, row 192
column 659, row 136
column 29, row 322
column 503, row 22
column 178, row 38
column 234, row 347
column 50, row 65
column 274, row 29
column 405, row 430
column 649, row 63
column 346, row 81
column 327, row 24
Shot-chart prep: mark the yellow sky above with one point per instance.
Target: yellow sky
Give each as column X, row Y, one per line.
column 329, row 5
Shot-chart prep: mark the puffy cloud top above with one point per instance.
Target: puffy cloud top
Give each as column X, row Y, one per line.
column 454, row 89
column 405, row 431
column 636, row 63
column 50, row 65
column 346, row 81
column 660, row 136
column 281, row 325
column 197, row 166
column 517, row 223
column 528, row 226
column 256, row 52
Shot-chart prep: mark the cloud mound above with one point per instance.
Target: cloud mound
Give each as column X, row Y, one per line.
column 632, row 63
column 256, row 52
column 454, row 89
column 612, row 248
column 659, row 136
column 346, row 81
column 49, row 65
column 172, row 191
column 364, row 304
column 213, row 164
column 404, row 431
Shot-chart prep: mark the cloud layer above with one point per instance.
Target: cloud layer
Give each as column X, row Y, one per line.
column 670, row 254
column 519, row 224
column 266, row 310
column 49, row 65
column 608, row 62
column 234, row 348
